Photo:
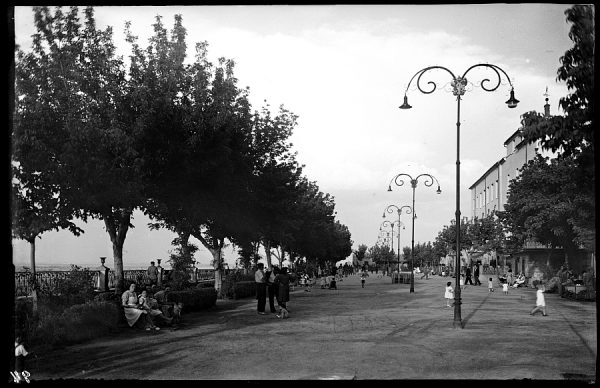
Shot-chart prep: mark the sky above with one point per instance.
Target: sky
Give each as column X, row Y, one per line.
column 344, row 69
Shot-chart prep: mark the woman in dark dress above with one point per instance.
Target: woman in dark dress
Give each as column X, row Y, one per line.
column 282, row 280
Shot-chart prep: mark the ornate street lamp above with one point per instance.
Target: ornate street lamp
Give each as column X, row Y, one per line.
column 458, row 89
column 413, row 182
column 391, row 224
column 399, row 210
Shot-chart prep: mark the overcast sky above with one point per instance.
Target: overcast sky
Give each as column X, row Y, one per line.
column 343, row 70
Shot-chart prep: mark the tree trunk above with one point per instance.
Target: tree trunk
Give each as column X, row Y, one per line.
column 117, row 225
column 215, row 251
column 267, row 246
column 34, row 287
column 216, row 254
column 185, row 238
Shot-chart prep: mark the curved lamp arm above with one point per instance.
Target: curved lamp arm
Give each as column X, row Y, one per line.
column 390, row 210
column 459, row 83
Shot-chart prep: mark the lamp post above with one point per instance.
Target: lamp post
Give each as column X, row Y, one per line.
column 399, row 210
column 458, row 89
column 413, row 182
column 391, row 224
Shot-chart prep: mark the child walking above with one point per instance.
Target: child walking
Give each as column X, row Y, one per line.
column 490, row 285
column 540, row 303
column 505, row 287
column 362, row 279
column 449, row 294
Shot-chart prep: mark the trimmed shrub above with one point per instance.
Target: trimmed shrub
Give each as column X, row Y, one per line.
column 194, row 299
column 53, row 327
column 244, row 289
column 230, row 289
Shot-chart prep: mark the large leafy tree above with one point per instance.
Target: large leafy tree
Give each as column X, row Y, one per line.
column 381, row 254
column 542, row 204
column 487, row 233
column 570, row 178
column 72, row 122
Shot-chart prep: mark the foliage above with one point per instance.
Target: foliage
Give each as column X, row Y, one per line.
column 182, row 262
column 195, row 299
column 381, row 254
column 445, row 242
column 71, row 121
column 487, row 233
column 238, row 289
column 63, row 326
column 543, row 203
column 568, row 184
column 76, row 287
column 178, row 141
column 361, row 252
column 573, row 133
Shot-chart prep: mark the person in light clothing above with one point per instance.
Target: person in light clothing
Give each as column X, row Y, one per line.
column 491, row 285
column 20, row 354
column 449, row 294
column 540, row 301
column 505, row 287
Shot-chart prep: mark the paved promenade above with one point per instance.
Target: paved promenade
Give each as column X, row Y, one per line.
column 380, row 332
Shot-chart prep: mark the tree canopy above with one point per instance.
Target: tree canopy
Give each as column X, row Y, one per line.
column 553, row 201
column 98, row 138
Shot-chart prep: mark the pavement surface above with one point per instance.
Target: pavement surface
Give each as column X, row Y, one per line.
column 379, row 332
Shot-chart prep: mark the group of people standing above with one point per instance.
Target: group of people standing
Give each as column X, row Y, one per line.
column 275, row 284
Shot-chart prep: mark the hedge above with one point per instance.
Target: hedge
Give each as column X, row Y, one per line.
column 195, row 299
column 238, row 290
column 75, row 324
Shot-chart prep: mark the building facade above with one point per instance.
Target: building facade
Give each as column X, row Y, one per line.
column 489, row 193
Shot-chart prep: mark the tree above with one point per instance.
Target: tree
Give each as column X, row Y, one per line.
column 542, row 204
column 487, row 234
column 361, row 251
column 35, row 209
column 553, row 201
column 381, row 254
column 73, row 124
column 573, row 133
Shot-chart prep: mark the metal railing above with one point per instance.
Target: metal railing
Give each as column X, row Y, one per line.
column 51, row 279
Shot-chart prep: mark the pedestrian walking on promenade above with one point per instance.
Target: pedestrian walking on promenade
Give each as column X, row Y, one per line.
column 462, row 282
column 261, row 289
column 282, row 280
column 272, row 289
column 449, row 294
column 540, row 303
column 362, row 279
column 468, row 273
column 425, row 273
column 476, row 273
column 491, row 285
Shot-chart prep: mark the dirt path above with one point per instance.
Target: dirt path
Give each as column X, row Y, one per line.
column 380, row 332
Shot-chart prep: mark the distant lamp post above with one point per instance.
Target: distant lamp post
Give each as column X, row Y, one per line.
column 429, row 179
column 458, row 89
column 389, row 209
column 390, row 224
